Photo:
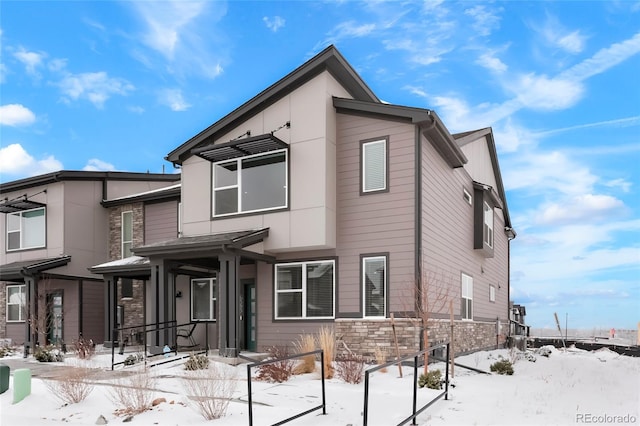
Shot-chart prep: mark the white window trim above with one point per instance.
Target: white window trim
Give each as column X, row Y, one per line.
column 238, row 184
column 467, row 293
column 212, row 300
column 467, row 196
column 364, row 166
column 363, row 283
column 487, row 225
column 492, row 293
column 21, row 230
column 21, row 311
column 303, row 290
column 122, row 240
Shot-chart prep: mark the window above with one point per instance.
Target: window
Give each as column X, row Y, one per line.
column 305, row 290
column 492, row 293
column 127, row 233
column 467, row 196
column 250, row 184
column 16, row 302
column 374, row 282
column 487, row 230
column 204, row 299
column 374, row 166
column 26, row 229
column 466, row 309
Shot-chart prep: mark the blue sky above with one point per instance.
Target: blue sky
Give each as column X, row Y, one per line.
column 100, row 85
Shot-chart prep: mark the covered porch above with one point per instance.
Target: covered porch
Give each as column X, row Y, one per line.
column 198, row 291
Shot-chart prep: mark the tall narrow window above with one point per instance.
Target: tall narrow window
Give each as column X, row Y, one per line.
column 127, row 233
column 374, row 166
column 16, row 302
column 466, row 309
column 488, row 225
column 374, row 283
column 26, row 229
column 305, row 290
column 492, row 293
column 204, row 299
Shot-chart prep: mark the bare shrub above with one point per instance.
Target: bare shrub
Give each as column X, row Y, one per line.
column 72, row 386
column 327, row 342
column 306, row 343
column 133, row 394
column 210, row 390
column 350, row 368
column 83, row 348
column 279, row 371
column 381, row 358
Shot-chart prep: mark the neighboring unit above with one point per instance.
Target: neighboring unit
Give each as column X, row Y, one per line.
column 314, row 203
column 54, row 229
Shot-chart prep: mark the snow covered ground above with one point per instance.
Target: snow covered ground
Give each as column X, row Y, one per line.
column 567, row 388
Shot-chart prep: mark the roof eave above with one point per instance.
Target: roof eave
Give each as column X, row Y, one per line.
column 329, row 59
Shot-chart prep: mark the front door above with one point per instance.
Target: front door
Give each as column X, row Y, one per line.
column 54, row 318
column 249, row 315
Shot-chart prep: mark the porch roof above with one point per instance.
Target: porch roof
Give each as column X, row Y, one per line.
column 16, row 271
column 224, row 241
column 132, row 265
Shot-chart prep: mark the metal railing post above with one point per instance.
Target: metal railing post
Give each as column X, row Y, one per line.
column 415, row 388
column 446, row 374
column 324, row 400
column 249, row 396
column 365, row 413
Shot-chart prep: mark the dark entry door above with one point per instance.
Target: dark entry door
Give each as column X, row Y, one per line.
column 249, row 315
column 54, row 318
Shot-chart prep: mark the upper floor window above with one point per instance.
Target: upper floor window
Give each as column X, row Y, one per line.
column 492, row 293
column 374, row 165
column 204, row 299
column 466, row 309
column 467, row 196
column 16, row 299
column 305, row 290
column 127, row 233
column 250, row 184
column 26, row 229
column 374, row 277
column 487, row 231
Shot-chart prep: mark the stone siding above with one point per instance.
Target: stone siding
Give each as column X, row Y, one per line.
column 362, row 336
column 134, row 307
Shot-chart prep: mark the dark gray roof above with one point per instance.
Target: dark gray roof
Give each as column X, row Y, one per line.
column 64, row 175
column 329, row 60
column 16, row 271
column 203, row 243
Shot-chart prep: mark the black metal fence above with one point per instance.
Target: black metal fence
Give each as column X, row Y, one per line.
column 144, row 330
column 323, row 406
column 415, row 357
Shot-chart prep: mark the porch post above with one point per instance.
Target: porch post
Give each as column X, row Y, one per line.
column 228, row 316
column 30, row 328
column 109, row 309
column 160, row 308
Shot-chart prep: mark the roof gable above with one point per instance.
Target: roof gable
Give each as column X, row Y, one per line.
column 486, row 135
column 329, row 60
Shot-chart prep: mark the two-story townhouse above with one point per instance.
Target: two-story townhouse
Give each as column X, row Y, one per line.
column 54, row 229
column 314, row 203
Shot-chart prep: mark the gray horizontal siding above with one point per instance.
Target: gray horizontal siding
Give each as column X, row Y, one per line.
column 160, row 221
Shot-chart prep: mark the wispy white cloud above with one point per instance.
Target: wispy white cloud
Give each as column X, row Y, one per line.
column 489, row 61
column 16, row 115
column 619, row 122
column 604, row 59
column 96, row 165
column 584, row 208
column 174, row 99
column 484, row 19
column 623, row 184
column 31, row 60
column 275, row 23
column 544, row 93
column 96, row 87
column 173, row 29
column 556, row 35
column 15, row 161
